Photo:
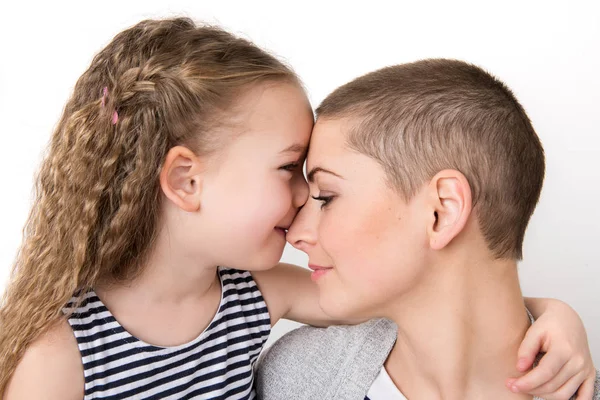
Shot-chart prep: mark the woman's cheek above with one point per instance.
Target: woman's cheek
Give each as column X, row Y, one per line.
column 334, row 237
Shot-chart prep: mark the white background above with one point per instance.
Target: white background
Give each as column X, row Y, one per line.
column 548, row 53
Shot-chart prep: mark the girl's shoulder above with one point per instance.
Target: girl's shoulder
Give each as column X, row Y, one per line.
column 50, row 368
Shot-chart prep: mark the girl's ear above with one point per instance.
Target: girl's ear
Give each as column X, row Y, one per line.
column 180, row 178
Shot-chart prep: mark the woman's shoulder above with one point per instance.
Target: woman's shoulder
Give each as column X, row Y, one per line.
column 50, row 367
column 314, row 362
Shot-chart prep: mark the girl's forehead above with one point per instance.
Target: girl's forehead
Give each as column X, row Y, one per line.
column 274, row 119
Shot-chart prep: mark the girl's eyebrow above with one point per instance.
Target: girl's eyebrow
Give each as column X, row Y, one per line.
column 311, row 174
column 295, row 148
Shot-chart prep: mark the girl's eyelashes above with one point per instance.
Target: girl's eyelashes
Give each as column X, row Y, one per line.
column 325, row 200
column 290, row 167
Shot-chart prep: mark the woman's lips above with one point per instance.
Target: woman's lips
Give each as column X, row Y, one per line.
column 318, row 271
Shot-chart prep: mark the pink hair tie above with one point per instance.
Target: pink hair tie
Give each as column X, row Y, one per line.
column 115, row 116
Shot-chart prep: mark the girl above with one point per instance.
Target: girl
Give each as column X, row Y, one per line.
column 179, row 153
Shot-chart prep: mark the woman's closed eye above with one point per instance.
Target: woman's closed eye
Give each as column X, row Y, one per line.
column 325, row 200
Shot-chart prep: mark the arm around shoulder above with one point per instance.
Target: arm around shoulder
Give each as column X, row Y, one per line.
column 50, row 368
column 290, row 293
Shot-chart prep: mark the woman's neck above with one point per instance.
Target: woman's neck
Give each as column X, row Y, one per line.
column 459, row 331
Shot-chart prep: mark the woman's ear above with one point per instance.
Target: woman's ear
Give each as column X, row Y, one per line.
column 451, row 206
column 180, row 178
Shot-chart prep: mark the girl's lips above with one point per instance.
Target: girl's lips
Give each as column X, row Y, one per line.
column 318, row 271
column 283, row 231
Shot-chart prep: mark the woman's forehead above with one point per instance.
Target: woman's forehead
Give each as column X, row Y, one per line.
column 329, row 152
column 327, row 141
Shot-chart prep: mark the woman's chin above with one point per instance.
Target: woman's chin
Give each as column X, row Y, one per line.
column 341, row 310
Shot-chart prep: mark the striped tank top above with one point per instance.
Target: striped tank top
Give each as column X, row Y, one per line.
column 216, row 365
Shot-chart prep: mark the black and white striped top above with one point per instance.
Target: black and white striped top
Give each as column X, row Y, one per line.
column 216, row 365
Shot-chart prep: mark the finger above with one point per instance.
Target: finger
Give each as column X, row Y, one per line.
column 529, row 348
column 566, row 391
column 571, row 369
column 586, row 390
column 544, row 372
column 510, row 382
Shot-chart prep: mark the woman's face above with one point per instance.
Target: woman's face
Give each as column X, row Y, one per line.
column 366, row 245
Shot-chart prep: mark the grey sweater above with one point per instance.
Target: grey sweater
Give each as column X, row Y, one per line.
column 339, row 362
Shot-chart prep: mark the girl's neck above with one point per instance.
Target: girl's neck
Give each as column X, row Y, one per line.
column 171, row 302
column 170, row 279
column 171, row 274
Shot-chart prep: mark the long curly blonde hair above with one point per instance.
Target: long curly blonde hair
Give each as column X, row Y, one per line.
column 97, row 195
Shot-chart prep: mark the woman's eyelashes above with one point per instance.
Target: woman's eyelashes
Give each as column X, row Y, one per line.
column 325, row 200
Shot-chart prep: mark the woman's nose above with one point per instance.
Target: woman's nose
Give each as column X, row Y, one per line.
column 302, row 233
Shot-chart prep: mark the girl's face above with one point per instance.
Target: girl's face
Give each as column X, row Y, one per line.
column 253, row 190
column 365, row 243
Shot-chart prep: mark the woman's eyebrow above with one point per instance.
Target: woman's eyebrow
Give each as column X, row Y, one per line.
column 311, row 174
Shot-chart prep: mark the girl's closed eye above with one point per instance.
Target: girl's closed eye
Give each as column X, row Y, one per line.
column 325, row 200
column 290, row 167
